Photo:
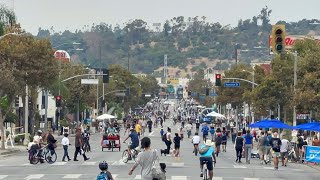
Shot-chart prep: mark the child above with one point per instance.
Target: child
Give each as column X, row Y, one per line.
column 176, row 141
column 161, row 132
column 65, row 143
column 104, row 174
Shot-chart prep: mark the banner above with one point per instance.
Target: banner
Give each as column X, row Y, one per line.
column 313, row 154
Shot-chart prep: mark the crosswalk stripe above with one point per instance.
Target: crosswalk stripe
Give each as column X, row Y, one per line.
column 240, row 167
column 138, row 177
column 59, row 163
column 71, row 176
column 250, row 178
column 115, row 175
column 34, row 176
column 177, row 164
column 3, row 176
column 179, row 178
column 89, row 163
column 217, row 178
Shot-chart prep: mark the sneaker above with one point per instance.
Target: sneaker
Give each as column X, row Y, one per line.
column 201, row 174
column 86, row 159
column 276, row 168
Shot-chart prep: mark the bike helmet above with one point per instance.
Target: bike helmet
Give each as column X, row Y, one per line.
column 103, row 166
column 39, row 131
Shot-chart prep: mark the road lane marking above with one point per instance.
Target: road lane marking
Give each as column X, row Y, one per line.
column 151, row 134
column 250, row 178
column 71, row 176
column 177, row 164
column 138, row 177
column 268, row 168
column 3, row 176
column 217, row 178
column 240, row 167
column 34, row 176
column 179, row 178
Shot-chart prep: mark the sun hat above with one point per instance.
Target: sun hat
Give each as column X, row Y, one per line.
column 209, row 142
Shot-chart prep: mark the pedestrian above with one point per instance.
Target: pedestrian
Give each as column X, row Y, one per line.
column 268, row 147
column 78, row 143
column 239, row 147
column 189, row 128
column 176, row 140
column 138, row 129
column 65, row 144
column 205, row 132
column 212, row 131
column 248, row 138
column 275, row 145
column 146, row 160
column 224, row 139
column 197, row 126
column 168, row 141
column 284, row 150
column 51, row 144
column 149, row 122
column 161, row 132
column 316, row 141
column 262, row 147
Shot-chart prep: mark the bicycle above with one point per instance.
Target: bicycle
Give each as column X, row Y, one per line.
column 46, row 153
column 206, row 175
column 134, row 154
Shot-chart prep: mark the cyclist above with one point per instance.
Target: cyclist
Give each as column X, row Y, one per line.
column 134, row 141
column 207, row 157
column 195, row 141
column 104, row 174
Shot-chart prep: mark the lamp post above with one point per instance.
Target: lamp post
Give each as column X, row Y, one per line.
column 295, row 67
column 252, row 73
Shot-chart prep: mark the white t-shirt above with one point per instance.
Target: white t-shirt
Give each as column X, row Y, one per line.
column 188, row 127
column 168, row 136
column 65, row 141
column 284, row 145
column 37, row 139
column 196, row 139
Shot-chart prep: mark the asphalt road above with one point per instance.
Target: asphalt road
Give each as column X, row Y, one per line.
column 187, row 168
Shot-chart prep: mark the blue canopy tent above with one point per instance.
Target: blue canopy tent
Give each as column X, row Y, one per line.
column 312, row 126
column 273, row 123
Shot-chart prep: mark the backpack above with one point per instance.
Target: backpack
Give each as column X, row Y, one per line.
column 218, row 141
column 266, row 141
column 203, row 150
column 164, row 137
column 102, row 176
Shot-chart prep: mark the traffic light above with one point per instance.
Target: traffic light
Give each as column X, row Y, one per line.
column 278, row 38
column 218, row 79
column 207, row 91
column 105, row 77
column 58, row 101
column 17, row 101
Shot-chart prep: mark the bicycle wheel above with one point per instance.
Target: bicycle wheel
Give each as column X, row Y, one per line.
column 205, row 174
column 125, row 156
column 34, row 159
column 135, row 154
column 50, row 158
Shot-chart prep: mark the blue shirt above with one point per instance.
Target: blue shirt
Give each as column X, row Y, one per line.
column 248, row 139
column 205, row 129
column 208, row 153
column 134, row 138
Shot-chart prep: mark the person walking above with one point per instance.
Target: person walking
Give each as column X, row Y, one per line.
column 189, row 128
column 205, row 132
column 275, row 145
column 51, row 144
column 262, row 147
column 248, row 145
column 284, row 150
column 78, row 143
column 65, row 144
column 146, row 160
column 239, row 147
column 168, row 141
column 176, row 140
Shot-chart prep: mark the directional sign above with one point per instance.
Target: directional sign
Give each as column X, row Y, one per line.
column 232, row 84
column 213, row 94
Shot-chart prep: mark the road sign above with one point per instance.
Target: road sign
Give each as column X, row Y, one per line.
column 120, row 94
column 89, row 81
column 213, row 94
column 232, row 84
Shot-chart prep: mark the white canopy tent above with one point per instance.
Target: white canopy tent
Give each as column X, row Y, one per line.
column 215, row 114
column 105, row 116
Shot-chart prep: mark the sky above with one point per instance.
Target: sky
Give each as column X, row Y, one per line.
column 75, row 14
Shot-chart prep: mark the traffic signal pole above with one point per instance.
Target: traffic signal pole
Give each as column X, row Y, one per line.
column 26, row 115
column 295, row 67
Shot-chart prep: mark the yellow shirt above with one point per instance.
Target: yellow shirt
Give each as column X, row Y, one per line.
column 138, row 128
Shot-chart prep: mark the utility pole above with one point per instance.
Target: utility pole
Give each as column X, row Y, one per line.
column 26, row 115
column 46, row 110
column 295, row 67
column 165, row 68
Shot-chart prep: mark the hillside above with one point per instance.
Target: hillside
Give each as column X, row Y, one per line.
column 190, row 43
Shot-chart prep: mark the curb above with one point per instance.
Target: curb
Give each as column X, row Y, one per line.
column 316, row 167
column 10, row 152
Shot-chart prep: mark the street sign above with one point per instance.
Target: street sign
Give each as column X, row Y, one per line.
column 120, row 94
column 232, row 84
column 213, row 94
column 89, row 81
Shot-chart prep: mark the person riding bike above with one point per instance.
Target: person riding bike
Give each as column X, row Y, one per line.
column 134, row 141
column 195, row 141
column 206, row 153
column 104, row 174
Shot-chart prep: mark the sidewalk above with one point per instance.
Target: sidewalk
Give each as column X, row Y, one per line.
column 11, row 151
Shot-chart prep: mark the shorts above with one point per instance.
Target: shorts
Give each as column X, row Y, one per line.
column 284, row 155
column 262, row 150
column 209, row 162
column 133, row 146
column 176, row 146
column 224, row 142
column 138, row 133
column 276, row 154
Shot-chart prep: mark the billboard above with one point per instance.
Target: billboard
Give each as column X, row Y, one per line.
column 173, row 81
column 62, row 55
column 291, row 39
column 313, row 154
